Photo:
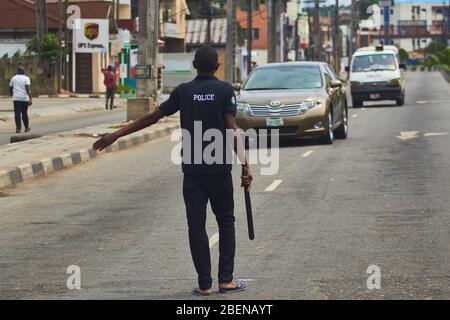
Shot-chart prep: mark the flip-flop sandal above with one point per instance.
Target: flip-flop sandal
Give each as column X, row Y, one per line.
column 240, row 286
column 197, row 292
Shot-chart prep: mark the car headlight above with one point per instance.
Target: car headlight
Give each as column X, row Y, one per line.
column 395, row 82
column 244, row 108
column 307, row 105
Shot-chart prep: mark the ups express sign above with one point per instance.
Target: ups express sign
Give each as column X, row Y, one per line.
column 91, row 35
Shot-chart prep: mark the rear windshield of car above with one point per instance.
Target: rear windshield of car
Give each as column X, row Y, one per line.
column 284, row 78
column 374, row 62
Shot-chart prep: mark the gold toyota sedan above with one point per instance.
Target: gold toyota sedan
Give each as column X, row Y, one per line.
column 300, row 99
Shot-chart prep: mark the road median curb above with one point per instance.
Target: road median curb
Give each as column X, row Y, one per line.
column 25, row 172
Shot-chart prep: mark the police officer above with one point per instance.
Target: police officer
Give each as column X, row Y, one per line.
column 208, row 103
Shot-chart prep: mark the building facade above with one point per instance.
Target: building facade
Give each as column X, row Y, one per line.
column 412, row 25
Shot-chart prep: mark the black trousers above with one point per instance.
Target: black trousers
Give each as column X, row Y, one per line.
column 218, row 189
column 21, row 111
column 110, row 97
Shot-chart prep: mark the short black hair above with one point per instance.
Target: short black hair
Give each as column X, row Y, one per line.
column 109, row 68
column 21, row 70
column 206, row 60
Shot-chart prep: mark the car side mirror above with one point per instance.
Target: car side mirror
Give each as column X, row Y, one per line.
column 347, row 69
column 336, row 84
column 402, row 66
column 237, row 87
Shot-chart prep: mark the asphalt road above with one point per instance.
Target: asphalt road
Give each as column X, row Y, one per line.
column 44, row 126
column 379, row 198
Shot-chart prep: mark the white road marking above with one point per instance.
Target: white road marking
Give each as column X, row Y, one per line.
column 273, row 185
column 307, row 153
column 406, row 135
column 363, row 108
column 355, row 115
column 214, row 238
column 435, row 134
column 429, row 101
column 246, row 279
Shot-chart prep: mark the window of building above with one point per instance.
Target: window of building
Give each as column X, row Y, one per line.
column 255, row 33
column 168, row 16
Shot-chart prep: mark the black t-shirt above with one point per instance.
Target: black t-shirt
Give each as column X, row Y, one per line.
column 202, row 103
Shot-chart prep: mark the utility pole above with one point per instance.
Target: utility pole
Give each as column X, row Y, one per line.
column 113, row 15
column 275, row 10
column 249, row 35
column 66, row 47
column 230, row 54
column 284, row 20
column 317, row 49
column 41, row 19
column 336, row 46
column 148, row 46
column 208, row 22
column 60, row 36
column 447, row 25
column 272, row 30
column 296, row 37
column 352, row 31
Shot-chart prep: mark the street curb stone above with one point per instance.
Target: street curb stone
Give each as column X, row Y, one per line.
column 28, row 171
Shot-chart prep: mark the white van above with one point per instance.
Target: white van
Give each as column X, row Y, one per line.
column 375, row 74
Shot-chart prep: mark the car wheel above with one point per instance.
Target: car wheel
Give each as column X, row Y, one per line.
column 401, row 101
column 328, row 137
column 342, row 131
column 357, row 103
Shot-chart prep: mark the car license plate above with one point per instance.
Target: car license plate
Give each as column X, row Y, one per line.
column 374, row 96
column 274, row 122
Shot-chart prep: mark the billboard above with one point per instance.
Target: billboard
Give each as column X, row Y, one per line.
column 92, row 36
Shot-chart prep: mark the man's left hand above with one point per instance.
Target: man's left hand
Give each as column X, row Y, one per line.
column 246, row 181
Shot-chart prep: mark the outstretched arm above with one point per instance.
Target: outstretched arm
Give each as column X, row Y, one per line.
column 141, row 123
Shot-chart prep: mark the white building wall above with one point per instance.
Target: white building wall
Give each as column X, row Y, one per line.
column 404, row 12
column 10, row 46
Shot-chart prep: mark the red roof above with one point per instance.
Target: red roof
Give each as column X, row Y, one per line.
column 21, row 14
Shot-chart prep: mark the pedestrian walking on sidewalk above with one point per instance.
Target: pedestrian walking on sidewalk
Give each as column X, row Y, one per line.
column 209, row 104
column 110, row 83
column 19, row 87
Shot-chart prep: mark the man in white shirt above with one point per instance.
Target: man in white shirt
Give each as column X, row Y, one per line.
column 19, row 87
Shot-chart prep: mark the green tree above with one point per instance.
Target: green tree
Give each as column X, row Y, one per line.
column 50, row 47
column 430, row 61
column 17, row 54
column 403, row 55
column 435, row 46
column 444, row 57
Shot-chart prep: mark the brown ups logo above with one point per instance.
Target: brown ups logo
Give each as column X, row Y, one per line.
column 91, row 30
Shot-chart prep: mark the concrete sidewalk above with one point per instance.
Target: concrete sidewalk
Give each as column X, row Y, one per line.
column 55, row 107
column 44, row 107
column 39, row 157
